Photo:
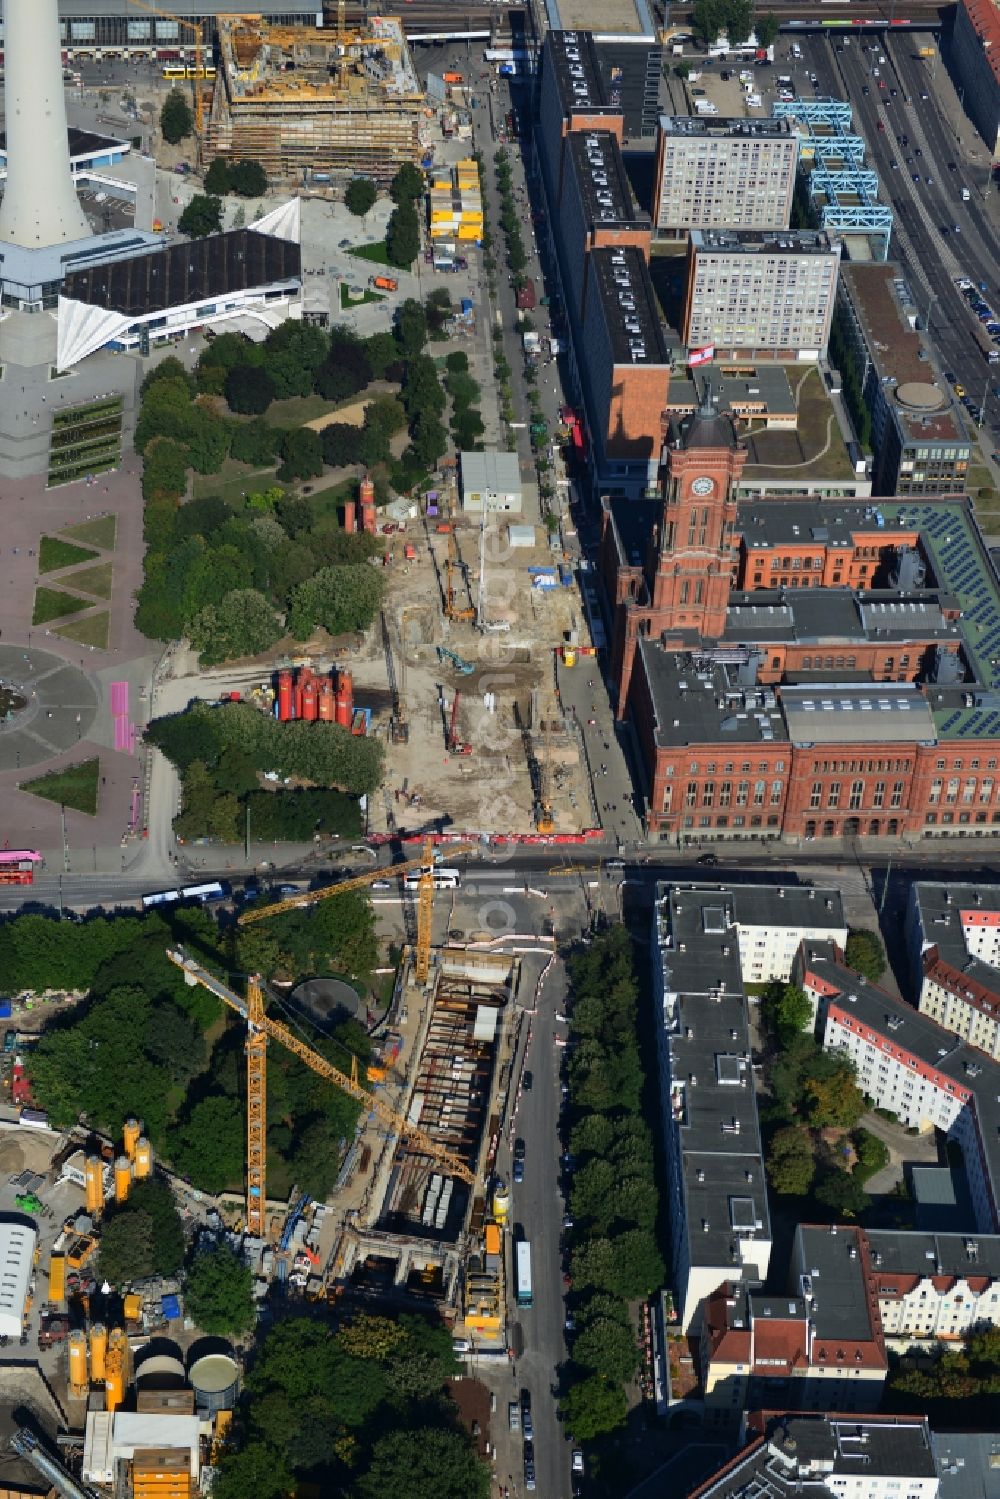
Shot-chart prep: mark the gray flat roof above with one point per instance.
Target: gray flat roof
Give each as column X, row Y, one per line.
column 968, row 1464
column 576, row 73
column 887, row 712
column 499, row 472
column 828, row 616
column 732, row 125
column 762, row 242
column 687, row 694
column 807, row 1454
column 832, row 1259
column 788, row 905
column 899, row 1252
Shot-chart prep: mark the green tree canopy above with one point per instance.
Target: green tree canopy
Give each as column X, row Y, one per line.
column 301, row 454
column 217, row 178
column 360, row 196
column 424, row 1464
column 766, row 28
column 338, row 599
column 786, row 1009
column 843, row 1193
column 408, row 184
column 176, row 117
column 791, row 1162
column 218, row 1292
column 249, row 390
column 865, row 953
column 607, row 1347
column 247, row 179
column 592, row 1407
column 241, row 624
column 201, row 217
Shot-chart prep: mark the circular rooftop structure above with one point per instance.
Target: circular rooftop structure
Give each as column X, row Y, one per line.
column 919, row 395
column 327, row 998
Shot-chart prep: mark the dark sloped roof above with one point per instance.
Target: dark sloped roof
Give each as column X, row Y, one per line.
column 189, row 272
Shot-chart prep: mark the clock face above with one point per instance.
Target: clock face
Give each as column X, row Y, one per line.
column 704, row 485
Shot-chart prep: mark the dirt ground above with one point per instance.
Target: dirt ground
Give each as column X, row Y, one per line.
column 473, row 1401
column 508, row 711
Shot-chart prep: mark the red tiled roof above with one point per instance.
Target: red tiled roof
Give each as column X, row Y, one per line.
column 784, row 1340
column 969, row 990
column 985, row 20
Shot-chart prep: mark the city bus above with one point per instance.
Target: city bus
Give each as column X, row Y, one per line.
column 17, row 865
column 444, row 879
column 206, row 71
column 211, row 891
column 522, row 1251
column 987, row 347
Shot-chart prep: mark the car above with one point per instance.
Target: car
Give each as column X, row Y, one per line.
column 577, row 1460
column 916, row 176
column 708, row 860
column 614, row 863
column 576, row 1483
column 514, row 1415
column 944, row 231
column 461, row 1345
column 959, row 389
column 344, row 243
column 894, row 92
column 880, row 127
column 568, row 1220
column 570, row 1323
column 929, row 181
column 529, row 1476
column 527, row 1081
column 568, row 1160
column 519, row 1149
column 894, row 165
column 865, row 90
column 925, row 96
column 952, row 167
column 917, row 151
column 380, row 885
column 518, row 1172
column 950, row 376
column 881, row 83
column 995, row 457
column 956, row 228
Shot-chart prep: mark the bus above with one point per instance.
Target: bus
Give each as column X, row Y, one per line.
column 207, row 70
column 211, row 891
column 522, row 1252
column 17, row 865
column 444, row 879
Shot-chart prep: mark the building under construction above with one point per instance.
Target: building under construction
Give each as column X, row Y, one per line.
column 305, row 102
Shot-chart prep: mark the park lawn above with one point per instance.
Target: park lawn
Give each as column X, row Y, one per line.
column 327, row 502
column 232, row 482
column 99, row 533
column 75, row 786
column 297, row 410
column 346, row 300
column 52, row 603
column 90, row 631
column 376, row 253
column 95, row 580
column 54, row 553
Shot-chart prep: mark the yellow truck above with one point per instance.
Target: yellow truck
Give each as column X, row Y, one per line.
column 926, row 52
column 57, row 1279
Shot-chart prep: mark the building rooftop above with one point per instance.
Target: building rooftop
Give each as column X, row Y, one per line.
column 621, row 277
column 178, row 274
column 606, row 18
column 762, row 242
column 816, row 1455
column 577, row 73
column 827, row 616
column 787, row 906
column 913, row 1254
column 758, row 126
column 834, row 1281
column 968, row 1463
column 830, row 523
column 713, row 1101
column 985, row 19
column 603, row 183
column 700, row 701
column 82, row 143
column 494, row 471
column 766, row 390
column 886, row 712
column 942, row 913
column 877, row 292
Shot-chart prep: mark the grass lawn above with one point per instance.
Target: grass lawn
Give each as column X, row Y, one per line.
column 75, row 787
column 54, row 553
column 296, row 410
column 52, row 603
column 95, row 580
column 376, row 253
column 346, row 300
column 90, row 631
column 232, row 481
column 99, row 533
column 327, row 502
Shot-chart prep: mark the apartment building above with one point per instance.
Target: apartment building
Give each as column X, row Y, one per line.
column 826, row 1457
column 918, row 436
column 723, row 174
column 975, row 51
column 719, row 1221
column 933, row 1288
column 953, row 935
column 773, row 921
column 760, row 294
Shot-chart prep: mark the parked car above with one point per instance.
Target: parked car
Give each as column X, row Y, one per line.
column 577, row 1460
column 514, row 1416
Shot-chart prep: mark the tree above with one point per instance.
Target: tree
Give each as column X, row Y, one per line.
column 791, row 1164
column 738, row 21
column 301, row 454
column 708, row 17
column 292, row 355
column 382, row 351
column 218, row 1292
column 341, row 444
column 766, row 28
column 201, row 217
column 865, row 953
column 249, row 390
column 411, row 328
column 164, row 470
column 338, row 599
column 254, row 442
column 843, row 1194
column 247, row 179
column 153, row 1199
column 176, row 117
column 241, row 624
column 592, row 1407
column 834, row 1101
column 427, row 1463
column 402, row 237
column 345, row 372
column 457, row 362
column 408, row 184
column 217, row 178
column 360, row 195
column 607, row 1346
column 430, row 440
column 629, row 1264
column 872, row 1153
column 209, row 1147
column 786, row 1009
column 126, row 1252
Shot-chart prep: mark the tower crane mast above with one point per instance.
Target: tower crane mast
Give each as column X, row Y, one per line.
column 261, row 1028
column 196, row 29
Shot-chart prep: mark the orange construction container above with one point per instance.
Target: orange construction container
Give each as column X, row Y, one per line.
column 326, row 701
column 143, row 1158
column 123, row 1178
column 132, row 1131
column 350, row 517
column 98, row 1350
column 310, row 704
column 78, row 1380
column 345, row 699
column 94, row 1178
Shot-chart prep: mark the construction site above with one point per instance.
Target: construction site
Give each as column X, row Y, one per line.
column 305, row 102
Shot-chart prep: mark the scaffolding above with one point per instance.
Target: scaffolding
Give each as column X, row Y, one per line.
column 302, row 101
column 843, row 190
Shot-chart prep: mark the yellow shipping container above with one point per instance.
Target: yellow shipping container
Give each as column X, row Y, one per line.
column 57, row 1278
column 470, row 232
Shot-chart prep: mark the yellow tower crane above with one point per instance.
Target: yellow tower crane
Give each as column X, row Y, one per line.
column 261, row 1028
column 199, row 71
